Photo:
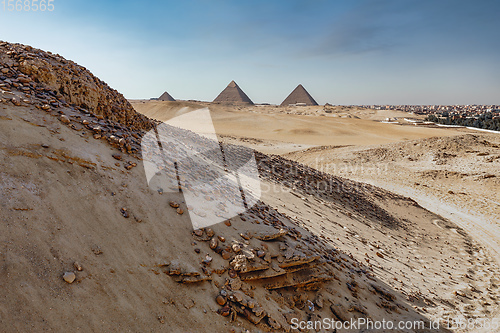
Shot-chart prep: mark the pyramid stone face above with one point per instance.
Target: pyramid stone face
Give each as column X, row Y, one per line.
column 299, row 95
column 166, row 97
column 233, row 94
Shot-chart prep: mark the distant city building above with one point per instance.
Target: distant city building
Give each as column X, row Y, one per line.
column 440, row 110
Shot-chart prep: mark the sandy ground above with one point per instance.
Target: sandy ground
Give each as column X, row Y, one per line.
column 273, row 130
column 457, row 178
column 451, row 172
column 462, row 170
column 62, row 194
column 422, row 258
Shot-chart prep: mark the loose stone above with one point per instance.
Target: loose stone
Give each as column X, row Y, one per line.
column 65, row 119
column 69, row 277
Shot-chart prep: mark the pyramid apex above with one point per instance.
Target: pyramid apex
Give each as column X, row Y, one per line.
column 166, row 97
column 299, row 96
column 233, row 94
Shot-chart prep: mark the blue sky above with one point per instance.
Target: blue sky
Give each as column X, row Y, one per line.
column 343, row 52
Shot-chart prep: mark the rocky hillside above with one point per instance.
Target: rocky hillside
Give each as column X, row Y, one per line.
column 57, row 81
column 87, row 244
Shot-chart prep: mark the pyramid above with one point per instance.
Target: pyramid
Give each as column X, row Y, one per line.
column 299, row 95
column 233, row 94
column 166, row 97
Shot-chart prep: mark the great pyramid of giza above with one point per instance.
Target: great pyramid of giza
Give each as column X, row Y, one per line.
column 233, row 94
column 166, row 97
column 299, row 95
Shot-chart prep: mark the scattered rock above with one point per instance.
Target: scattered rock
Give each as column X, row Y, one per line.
column 69, row 277
column 225, row 311
column 214, row 243
column 174, row 269
column 226, row 255
column 239, row 263
column 188, row 304
column 130, row 165
column 16, row 101
column 267, row 236
column 77, row 266
column 235, row 283
column 210, row 232
column 238, row 296
column 208, row 260
column 97, row 250
column 221, row 300
column 64, row 119
column 232, row 273
column 124, row 212
column 246, row 235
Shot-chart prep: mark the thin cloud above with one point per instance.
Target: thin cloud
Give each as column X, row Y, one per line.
column 372, row 26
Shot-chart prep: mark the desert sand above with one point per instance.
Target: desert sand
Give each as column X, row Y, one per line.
column 276, row 130
column 87, row 245
column 452, row 172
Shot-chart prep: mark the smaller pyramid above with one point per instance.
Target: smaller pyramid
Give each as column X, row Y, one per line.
column 233, row 94
column 299, row 96
column 166, row 97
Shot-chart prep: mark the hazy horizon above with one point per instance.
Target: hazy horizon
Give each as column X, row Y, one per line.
column 344, row 53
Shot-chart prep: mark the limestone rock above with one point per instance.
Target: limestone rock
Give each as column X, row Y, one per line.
column 69, row 277
column 267, row 236
column 64, row 119
column 77, row 266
